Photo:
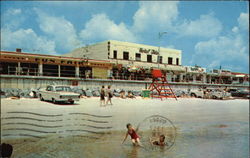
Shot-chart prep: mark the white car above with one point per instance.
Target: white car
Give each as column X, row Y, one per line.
column 58, row 93
column 198, row 93
column 219, row 94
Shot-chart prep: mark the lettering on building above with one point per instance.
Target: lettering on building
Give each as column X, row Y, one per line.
column 148, row 51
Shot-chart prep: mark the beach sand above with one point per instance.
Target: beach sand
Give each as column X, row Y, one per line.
column 204, row 128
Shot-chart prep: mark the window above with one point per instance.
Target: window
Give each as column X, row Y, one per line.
column 159, row 59
column 49, row 88
column 177, row 61
column 170, row 60
column 149, row 58
column 63, row 88
column 138, row 57
column 125, row 55
column 115, row 54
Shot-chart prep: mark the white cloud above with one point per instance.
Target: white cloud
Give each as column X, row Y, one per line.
column 160, row 16
column 59, row 29
column 155, row 15
column 235, row 29
column 243, row 21
column 221, row 50
column 26, row 39
column 223, row 47
column 13, row 11
column 170, row 46
column 206, row 26
column 231, row 50
column 100, row 27
column 12, row 18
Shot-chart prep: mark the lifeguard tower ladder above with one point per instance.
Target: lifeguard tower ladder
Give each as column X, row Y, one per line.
column 159, row 87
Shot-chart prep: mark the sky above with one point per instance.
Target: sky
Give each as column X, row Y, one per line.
column 209, row 33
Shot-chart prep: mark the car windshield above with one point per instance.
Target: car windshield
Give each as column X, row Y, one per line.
column 63, row 88
column 243, row 90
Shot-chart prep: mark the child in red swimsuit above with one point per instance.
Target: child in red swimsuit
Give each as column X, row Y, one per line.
column 134, row 136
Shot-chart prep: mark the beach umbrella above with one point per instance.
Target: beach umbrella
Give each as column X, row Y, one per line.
column 133, row 68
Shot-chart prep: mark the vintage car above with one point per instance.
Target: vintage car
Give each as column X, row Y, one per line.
column 218, row 94
column 211, row 93
column 58, row 93
column 241, row 93
column 198, row 93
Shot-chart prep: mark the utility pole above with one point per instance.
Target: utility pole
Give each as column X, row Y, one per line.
column 159, row 36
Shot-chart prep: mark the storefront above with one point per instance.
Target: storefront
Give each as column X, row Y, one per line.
column 17, row 63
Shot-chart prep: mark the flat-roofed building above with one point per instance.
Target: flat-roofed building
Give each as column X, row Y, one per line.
column 128, row 54
column 18, row 63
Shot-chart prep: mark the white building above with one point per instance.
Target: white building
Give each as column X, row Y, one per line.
column 129, row 54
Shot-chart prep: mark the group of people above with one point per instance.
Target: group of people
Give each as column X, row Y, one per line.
column 135, row 138
column 125, row 74
column 105, row 92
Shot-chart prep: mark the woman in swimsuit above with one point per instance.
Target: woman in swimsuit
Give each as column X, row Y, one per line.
column 134, row 136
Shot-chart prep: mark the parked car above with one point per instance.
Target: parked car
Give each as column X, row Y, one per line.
column 181, row 92
column 136, row 92
column 58, row 93
column 241, row 93
column 198, row 93
column 218, row 94
column 78, row 90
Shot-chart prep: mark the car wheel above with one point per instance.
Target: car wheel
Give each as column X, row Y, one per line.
column 54, row 101
column 193, row 95
column 41, row 98
column 214, row 97
column 71, row 102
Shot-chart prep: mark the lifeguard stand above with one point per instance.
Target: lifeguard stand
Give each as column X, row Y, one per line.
column 159, row 87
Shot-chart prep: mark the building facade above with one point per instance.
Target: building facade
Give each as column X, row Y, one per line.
column 127, row 54
column 114, row 60
column 27, row 64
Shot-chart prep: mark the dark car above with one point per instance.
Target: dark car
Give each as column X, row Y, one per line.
column 241, row 93
column 78, row 90
column 232, row 90
column 136, row 92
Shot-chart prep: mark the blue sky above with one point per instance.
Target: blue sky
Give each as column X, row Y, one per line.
column 210, row 34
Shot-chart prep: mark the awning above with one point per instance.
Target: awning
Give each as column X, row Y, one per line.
column 173, row 68
column 133, row 68
column 240, row 75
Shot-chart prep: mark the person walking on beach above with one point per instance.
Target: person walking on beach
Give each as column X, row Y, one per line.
column 134, row 136
column 110, row 95
column 102, row 96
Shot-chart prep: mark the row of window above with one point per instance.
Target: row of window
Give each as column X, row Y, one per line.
column 149, row 58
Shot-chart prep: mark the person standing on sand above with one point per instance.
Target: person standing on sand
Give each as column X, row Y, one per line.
column 110, row 95
column 102, row 96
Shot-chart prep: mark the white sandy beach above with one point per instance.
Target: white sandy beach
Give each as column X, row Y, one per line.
column 205, row 118
column 185, row 110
